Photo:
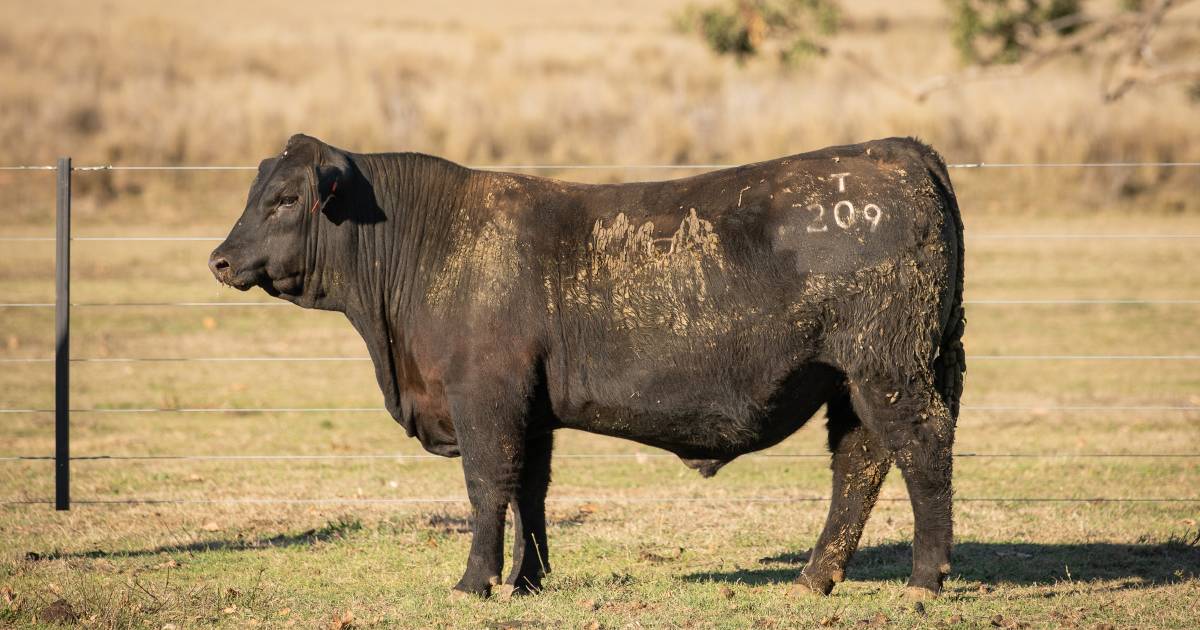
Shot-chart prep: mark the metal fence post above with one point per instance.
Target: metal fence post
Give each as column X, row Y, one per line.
column 62, row 334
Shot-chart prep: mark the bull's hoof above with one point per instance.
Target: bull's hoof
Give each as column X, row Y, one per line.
column 464, row 589
column 919, row 594
column 808, row 587
column 457, row 595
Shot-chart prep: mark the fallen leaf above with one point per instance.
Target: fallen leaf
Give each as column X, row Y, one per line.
column 230, row 609
column 343, row 621
column 998, row 621
column 830, row 620
column 955, row 620
column 592, row 625
column 590, row 604
column 880, row 619
column 7, row 593
column 725, row 592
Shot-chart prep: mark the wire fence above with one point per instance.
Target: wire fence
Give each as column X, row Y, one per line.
column 362, row 359
column 1024, row 408
column 715, row 501
column 639, row 457
column 607, row 167
column 62, row 304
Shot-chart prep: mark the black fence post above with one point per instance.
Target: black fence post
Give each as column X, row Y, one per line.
column 62, row 335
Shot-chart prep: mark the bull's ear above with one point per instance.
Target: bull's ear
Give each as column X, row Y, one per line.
column 333, row 171
column 332, row 167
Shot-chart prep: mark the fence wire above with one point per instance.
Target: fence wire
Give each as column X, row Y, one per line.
column 567, row 456
column 968, row 236
column 997, row 408
column 603, row 456
column 612, row 167
column 286, row 359
column 576, row 499
column 984, row 302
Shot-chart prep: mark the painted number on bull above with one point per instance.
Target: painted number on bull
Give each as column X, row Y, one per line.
column 845, row 215
column 818, row 223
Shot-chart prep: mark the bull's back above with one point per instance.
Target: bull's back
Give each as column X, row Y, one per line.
column 656, row 251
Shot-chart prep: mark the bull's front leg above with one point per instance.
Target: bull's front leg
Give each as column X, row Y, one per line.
column 491, row 440
column 531, row 556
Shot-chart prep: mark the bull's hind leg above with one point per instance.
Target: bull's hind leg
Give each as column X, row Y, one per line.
column 919, row 429
column 860, row 463
column 531, row 556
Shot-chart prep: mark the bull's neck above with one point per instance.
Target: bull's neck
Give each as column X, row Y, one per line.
column 397, row 234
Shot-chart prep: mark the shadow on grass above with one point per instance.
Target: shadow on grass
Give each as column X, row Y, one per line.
column 1000, row 563
column 332, row 530
column 445, row 524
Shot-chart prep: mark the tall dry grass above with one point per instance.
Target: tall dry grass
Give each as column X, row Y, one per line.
column 533, row 82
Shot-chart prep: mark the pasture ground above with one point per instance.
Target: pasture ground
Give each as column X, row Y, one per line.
column 620, row 557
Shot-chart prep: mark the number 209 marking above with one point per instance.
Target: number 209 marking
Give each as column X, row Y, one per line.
column 844, row 216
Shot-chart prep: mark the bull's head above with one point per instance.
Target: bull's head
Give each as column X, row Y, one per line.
column 271, row 243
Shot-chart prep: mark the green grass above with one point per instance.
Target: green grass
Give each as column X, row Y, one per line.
column 621, row 557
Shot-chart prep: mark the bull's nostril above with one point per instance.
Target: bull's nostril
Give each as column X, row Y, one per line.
column 219, row 265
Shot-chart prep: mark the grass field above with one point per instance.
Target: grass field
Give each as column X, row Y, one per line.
column 623, row 555
column 637, row 540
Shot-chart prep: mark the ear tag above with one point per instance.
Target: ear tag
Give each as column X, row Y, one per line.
column 317, row 203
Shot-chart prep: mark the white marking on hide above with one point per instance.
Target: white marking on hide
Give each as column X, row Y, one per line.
column 837, row 214
column 841, row 177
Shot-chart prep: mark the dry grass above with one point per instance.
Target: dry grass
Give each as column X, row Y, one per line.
column 538, row 82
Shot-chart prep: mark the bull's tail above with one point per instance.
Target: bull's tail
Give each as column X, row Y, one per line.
column 951, row 362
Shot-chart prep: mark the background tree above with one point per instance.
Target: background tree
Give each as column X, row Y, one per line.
column 793, row 30
column 997, row 39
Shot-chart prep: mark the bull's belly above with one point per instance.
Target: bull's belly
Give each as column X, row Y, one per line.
column 706, row 421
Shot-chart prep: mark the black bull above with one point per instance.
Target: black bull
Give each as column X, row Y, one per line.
column 709, row 316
